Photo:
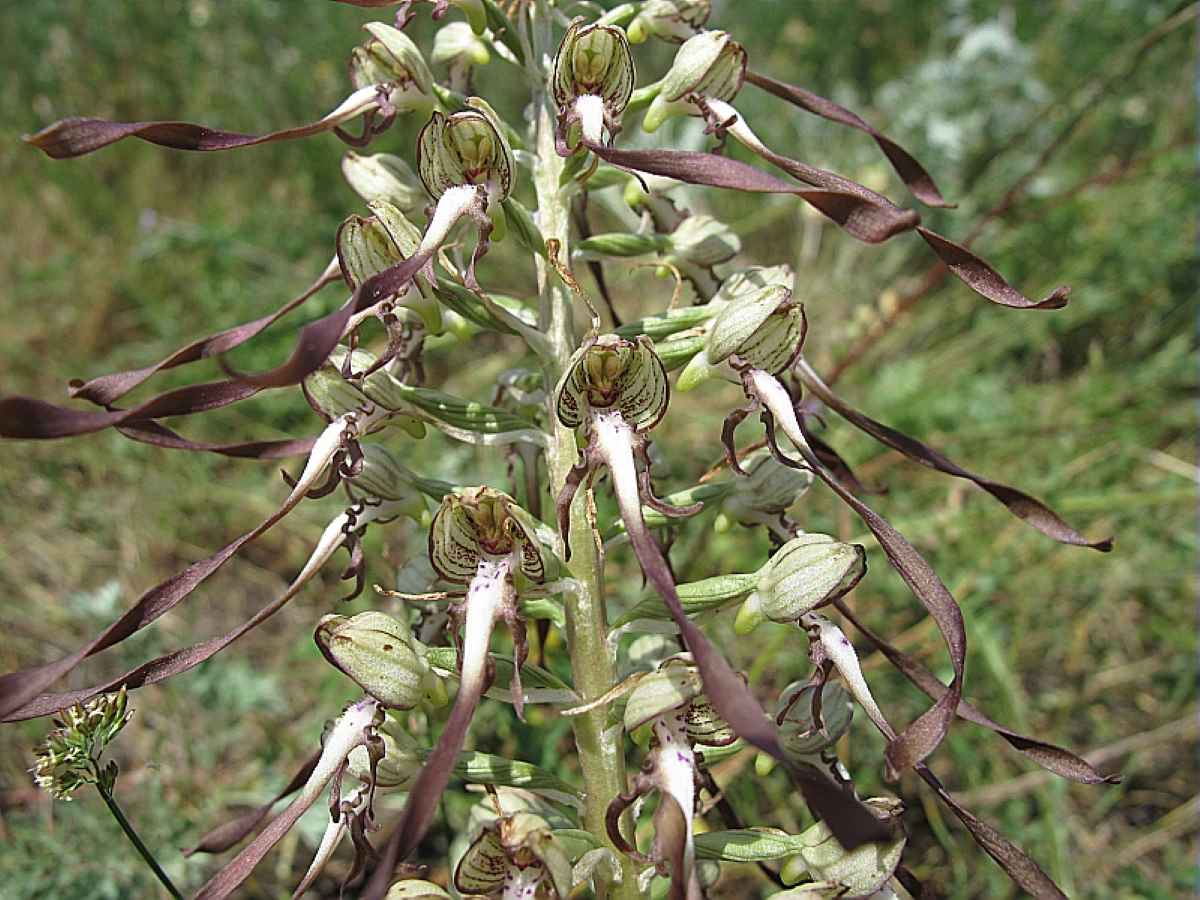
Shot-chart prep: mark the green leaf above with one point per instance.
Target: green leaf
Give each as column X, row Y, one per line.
column 668, row 323
column 484, row 768
column 541, row 686
column 697, row 597
column 749, row 845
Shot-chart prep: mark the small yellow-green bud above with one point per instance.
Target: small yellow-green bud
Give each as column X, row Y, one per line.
column 710, row 65
column 382, row 656
column 391, row 58
column 385, row 177
column 669, row 20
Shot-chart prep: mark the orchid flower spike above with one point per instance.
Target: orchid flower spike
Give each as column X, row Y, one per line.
column 480, row 538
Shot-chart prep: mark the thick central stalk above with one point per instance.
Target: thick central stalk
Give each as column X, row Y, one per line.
column 592, row 665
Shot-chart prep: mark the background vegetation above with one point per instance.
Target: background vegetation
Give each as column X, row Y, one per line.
column 1067, row 114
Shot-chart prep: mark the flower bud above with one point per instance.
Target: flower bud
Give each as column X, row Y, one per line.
column 385, row 177
column 391, row 58
column 798, row 732
column 764, row 328
column 402, row 761
column 457, row 46
column 593, row 77
column 382, row 656
column 769, row 491
column 464, row 148
column 805, row 573
column 367, row 246
column 704, row 241
column 673, row 686
column 669, row 20
column 613, row 372
column 416, row 889
column 709, row 65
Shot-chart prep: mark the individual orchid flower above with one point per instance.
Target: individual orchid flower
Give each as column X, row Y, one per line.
column 468, row 167
column 356, row 726
column 592, row 79
column 670, row 703
column 808, row 572
column 709, row 67
column 394, row 66
column 368, row 246
column 379, row 768
column 516, row 857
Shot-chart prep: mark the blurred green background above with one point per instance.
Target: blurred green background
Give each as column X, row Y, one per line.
column 1078, row 114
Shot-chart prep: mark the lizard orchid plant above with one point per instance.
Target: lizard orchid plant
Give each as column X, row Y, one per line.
column 575, row 405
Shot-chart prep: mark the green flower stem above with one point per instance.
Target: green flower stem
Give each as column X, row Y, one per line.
column 593, row 667
column 113, row 808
